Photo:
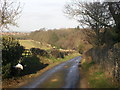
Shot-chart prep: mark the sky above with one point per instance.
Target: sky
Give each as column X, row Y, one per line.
column 47, row 14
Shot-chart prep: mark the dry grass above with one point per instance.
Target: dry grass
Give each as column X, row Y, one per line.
column 34, row 44
column 96, row 76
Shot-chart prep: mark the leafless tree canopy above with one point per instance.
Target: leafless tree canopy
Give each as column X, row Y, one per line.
column 99, row 16
column 90, row 13
column 9, row 12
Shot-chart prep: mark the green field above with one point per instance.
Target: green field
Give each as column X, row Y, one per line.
column 34, row 44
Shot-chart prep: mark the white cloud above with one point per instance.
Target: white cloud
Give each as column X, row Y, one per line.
column 43, row 13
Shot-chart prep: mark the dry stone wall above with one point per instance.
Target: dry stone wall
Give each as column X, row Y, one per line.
column 108, row 58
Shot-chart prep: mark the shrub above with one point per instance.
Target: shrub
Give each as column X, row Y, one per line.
column 11, row 53
column 57, row 54
column 6, row 71
column 11, row 50
column 31, row 65
column 37, row 51
column 81, row 49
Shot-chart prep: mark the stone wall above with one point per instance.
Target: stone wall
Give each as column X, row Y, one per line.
column 108, row 58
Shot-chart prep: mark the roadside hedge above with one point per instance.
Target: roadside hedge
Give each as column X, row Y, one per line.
column 11, row 53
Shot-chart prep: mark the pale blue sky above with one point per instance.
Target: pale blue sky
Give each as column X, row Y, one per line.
column 43, row 14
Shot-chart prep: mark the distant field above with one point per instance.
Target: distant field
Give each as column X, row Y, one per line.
column 33, row 44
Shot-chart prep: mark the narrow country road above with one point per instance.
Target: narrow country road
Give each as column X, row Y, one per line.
column 65, row 75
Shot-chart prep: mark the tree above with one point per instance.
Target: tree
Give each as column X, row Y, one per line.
column 53, row 38
column 9, row 13
column 114, row 8
column 96, row 15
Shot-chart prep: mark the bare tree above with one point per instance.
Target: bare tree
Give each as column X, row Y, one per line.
column 114, row 8
column 9, row 13
column 96, row 15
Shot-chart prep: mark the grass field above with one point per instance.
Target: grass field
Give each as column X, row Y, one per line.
column 33, row 44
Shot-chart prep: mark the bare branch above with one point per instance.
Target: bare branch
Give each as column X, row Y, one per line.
column 9, row 13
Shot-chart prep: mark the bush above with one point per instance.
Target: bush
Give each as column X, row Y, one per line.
column 81, row 49
column 6, row 71
column 11, row 53
column 31, row 65
column 57, row 54
column 11, row 50
column 37, row 51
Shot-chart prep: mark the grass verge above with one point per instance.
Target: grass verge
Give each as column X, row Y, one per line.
column 96, row 76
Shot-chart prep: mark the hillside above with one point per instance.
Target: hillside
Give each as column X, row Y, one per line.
column 61, row 38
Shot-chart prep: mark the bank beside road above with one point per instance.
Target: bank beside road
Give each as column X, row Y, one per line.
column 94, row 76
column 18, row 81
